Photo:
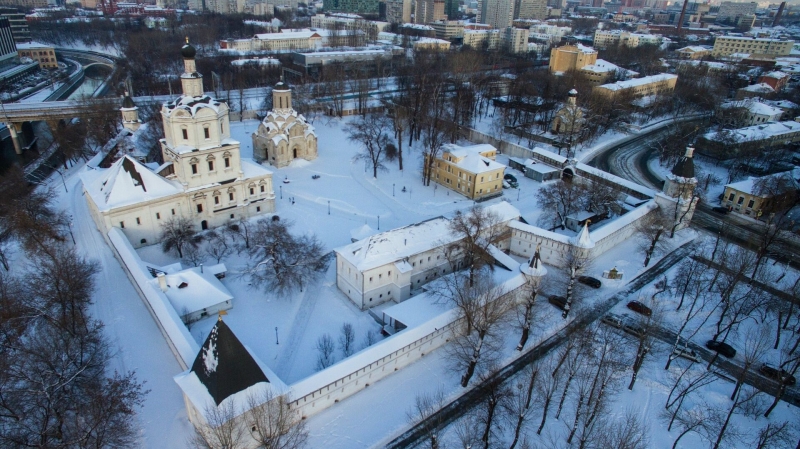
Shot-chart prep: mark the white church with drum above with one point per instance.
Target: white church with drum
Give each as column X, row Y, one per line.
column 203, row 177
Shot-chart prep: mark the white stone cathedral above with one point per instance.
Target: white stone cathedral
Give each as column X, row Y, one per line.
column 284, row 135
column 203, row 176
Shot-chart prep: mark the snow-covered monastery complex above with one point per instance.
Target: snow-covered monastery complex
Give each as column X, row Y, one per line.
column 203, row 176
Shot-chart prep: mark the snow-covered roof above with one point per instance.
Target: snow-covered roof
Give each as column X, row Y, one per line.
column 126, row 182
column 754, row 107
column 762, row 88
column 362, row 232
column 417, row 309
column 191, row 104
column 748, row 185
column 252, row 169
column 620, row 85
column 32, row 45
column 194, row 289
column 398, row 244
column 776, row 74
column 471, row 158
column 583, row 239
column 757, row 132
column 694, row 48
column 305, row 34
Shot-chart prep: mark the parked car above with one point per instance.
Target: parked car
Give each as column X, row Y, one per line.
column 506, row 185
column 638, row 307
column 636, row 331
column 511, row 180
column 558, row 301
column 590, row 281
column 777, row 374
column 685, row 352
column 723, row 348
column 720, row 210
column 613, row 320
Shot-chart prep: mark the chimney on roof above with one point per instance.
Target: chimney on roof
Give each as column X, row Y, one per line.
column 162, row 281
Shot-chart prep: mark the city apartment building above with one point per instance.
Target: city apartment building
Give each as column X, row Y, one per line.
column 427, row 11
column 497, row 13
column 482, row 38
column 606, row 39
column 726, row 143
column 398, row 11
column 749, row 112
column 693, row 52
column 45, row 55
column 728, row 45
column 349, row 22
column 530, row 9
column 291, row 40
column 351, row 6
column 470, row 171
column 571, row 57
column 516, row 39
column 448, row 29
column 731, row 10
column 640, row 87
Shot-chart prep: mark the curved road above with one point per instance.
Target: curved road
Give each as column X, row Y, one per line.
column 630, row 161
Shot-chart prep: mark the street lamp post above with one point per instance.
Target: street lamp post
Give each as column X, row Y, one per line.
column 70, row 230
column 392, row 189
column 281, row 189
column 276, row 335
column 518, row 192
column 329, row 207
column 379, row 222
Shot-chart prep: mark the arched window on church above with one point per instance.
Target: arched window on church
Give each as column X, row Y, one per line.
column 206, row 132
column 185, row 133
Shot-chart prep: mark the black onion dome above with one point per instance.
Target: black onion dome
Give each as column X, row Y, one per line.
column 281, row 86
column 188, row 51
column 127, row 101
column 685, row 165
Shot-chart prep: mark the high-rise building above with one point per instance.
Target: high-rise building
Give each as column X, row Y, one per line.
column 530, row 9
column 8, row 49
column 351, row 6
column 451, row 9
column 398, row 11
column 731, row 10
column 497, row 13
column 19, row 25
column 427, row 11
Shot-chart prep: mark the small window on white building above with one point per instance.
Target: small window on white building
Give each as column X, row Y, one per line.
column 206, row 132
column 138, row 222
column 122, row 224
column 158, row 216
column 185, row 133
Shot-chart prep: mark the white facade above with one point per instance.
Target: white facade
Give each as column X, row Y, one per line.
column 389, row 266
column 203, row 178
column 516, row 39
column 497, row 13
column 728, row 45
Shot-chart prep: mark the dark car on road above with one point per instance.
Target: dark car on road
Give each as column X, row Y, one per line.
column 638, row 307
column 723, row 348
column 511, row 180
column 720, row 210
column 777, row 374
column 590, row 281
column 558, row 301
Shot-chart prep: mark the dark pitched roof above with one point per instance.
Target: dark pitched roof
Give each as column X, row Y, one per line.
column 127, row 102
column 685, row 165
column 224, row 366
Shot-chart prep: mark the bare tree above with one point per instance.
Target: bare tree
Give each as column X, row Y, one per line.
column 477, row 230
column 434, row 138
column 482, row 309
column 519, row 404
column 746, row 397
column 494, row 393
column 273, row 424
column 646, row 325
column 325, row 348
column 241, row 233
column 424, row 411
column 347, row 339
column 534, row 274
column 218, row 247
column 756, row 345
column 562, row 199
column 370, row 132
column 546, row 387
column 177, row 234
column 281, row 262
column 576, row 261
column 193, row 255
column 684, row 389
column 695, row 419
column 629, row 431
column 651, row 229
column 774, row 435
column 221, row 431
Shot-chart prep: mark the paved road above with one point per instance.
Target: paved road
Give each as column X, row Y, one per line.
column 464, row 403
column 630, row 161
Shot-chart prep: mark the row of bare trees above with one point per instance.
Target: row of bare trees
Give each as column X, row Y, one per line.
column 58, row 389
